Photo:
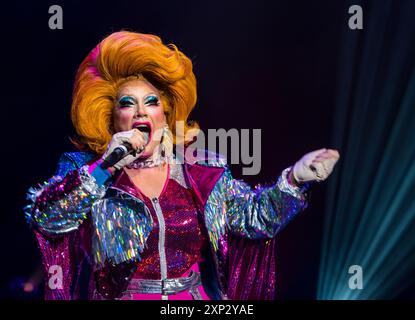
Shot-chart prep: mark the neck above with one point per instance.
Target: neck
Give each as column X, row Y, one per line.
column 155, row 160
column 134, row 172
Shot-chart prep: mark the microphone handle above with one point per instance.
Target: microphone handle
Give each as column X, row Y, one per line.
column 119, row 153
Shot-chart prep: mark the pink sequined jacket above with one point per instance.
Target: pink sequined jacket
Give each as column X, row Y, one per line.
column 98, row 232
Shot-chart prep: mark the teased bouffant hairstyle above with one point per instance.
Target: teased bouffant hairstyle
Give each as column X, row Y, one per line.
column 120, row 57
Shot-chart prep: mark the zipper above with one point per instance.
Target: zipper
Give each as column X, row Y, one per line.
column 161, row 243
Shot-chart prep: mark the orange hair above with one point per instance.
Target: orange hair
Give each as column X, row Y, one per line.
column 118, row 58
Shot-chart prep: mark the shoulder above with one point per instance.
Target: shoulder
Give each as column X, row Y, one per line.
column 69, row 161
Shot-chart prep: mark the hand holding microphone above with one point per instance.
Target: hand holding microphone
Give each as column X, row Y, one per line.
column 124, row 148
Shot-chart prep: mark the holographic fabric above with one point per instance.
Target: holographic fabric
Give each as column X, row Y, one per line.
column 252, row 213
column 121, row 228
column 205, row 211
column 183, row 236
column 62, row 204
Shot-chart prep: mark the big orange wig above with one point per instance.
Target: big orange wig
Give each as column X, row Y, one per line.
column 118, row 58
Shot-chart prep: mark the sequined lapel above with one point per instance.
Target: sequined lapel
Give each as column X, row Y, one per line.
column 124, row 183
column 203, row 179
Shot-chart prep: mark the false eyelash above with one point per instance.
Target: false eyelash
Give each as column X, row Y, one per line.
column 152, row 100
column 126, row 100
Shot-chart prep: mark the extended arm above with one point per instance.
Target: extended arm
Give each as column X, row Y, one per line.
column 262, row 212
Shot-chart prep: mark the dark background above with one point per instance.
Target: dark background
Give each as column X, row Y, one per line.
column 259, row 64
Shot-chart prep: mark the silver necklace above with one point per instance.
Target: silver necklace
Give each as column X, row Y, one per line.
column 149, row 163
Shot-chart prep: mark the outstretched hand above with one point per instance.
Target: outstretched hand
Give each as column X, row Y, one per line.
column 315, row 166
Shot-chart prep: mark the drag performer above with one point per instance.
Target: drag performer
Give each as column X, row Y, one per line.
column 155, row 225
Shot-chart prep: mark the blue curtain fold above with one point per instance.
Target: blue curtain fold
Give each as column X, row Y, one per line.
column 370, row 210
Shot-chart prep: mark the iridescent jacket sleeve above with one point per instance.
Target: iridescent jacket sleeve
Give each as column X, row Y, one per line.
column 263, row 211
column 62, row 255
column 62, row 203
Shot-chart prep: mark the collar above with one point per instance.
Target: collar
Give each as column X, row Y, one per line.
column 124, row 183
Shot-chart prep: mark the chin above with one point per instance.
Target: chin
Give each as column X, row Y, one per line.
column 147, row 153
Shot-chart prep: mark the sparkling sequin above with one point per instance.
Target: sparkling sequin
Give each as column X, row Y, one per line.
column 122, row 225
column 183, row 235
column 253, row 213
column 61, row 204
column 232, row 209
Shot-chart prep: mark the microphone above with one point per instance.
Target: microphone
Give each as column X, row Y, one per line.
column 122, row 151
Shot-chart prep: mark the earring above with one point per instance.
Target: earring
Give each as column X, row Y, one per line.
column 165, row 130
column 162, row 146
